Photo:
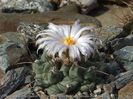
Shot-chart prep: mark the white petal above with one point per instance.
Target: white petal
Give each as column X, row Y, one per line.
column 71, row 53
column 62, row 50
column 49, row 33
column 54, row 48
column 74, row 52
column 53, row 26
column 56, row 29
column 75, row 28
column 77, row 53
column 57, row 48
column 82, row 50
column 42, row 40
column 85, row 49
column 51, row 40
column 43, row 33
column 86, row 40
column 66, row 30
column 82, row 30
column 41, row 46
column 50, row 47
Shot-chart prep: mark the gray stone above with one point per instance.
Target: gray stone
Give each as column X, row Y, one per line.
column 85, row 5
column 125, row 55
column 119, row 43
column 13, row 80
column 113, row 68
column 108, row 32
column 98, row 91
column 122, row 79
column 61, row 96
column 30, row 30
column 26, row 5
column 23, row 93
column 106, row 95
column 12, row 49
column 107, row 88
column 3, row 56
column 115, row 1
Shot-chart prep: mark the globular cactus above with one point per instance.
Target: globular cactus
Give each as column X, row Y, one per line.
column 69, row 61
column 65, row 78
column 57, row 80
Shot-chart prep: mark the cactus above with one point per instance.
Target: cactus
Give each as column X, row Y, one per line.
column 65, row 66
column 66, row 78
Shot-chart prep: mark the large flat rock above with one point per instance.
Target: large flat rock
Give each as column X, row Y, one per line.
column 126, row 92
column 111, row 15
column 66, row 15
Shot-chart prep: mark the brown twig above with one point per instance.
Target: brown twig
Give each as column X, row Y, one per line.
column 21, row 63
column 103, row 72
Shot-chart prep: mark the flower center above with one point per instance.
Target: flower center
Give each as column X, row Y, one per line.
column 69, row 41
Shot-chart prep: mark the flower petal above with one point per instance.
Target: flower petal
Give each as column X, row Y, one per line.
column 85, row 40
column 75, row 28
column 41, row 40
column 82, row 30
column 66, row 30
column 42, row 45
column 57, row 48
column 52, row 40
column 74, row 53
column 62, row 50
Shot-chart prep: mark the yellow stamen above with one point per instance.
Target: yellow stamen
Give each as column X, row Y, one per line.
column 69, row 41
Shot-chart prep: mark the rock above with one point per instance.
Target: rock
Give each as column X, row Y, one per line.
column 98, row 91
column 125, row 55
column 127, row 30
column 115, row 1
column 126, row 92
column 13, row 80
column 108, row 32
column 66, row 15
column 122, row 39
column 42, row 95
column 85, row 5
column 61, row 96
column 23, row 93
column 122, row 79
column 30, row 30
column 4, row 58
column 110, row 15
column 12, row 49
column 1, row 76
column 26, row 5
column 118, row 44
column 113, row 68
column 108, row 88
column 105, row 95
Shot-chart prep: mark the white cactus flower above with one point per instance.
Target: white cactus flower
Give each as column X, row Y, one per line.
column 73, row 41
